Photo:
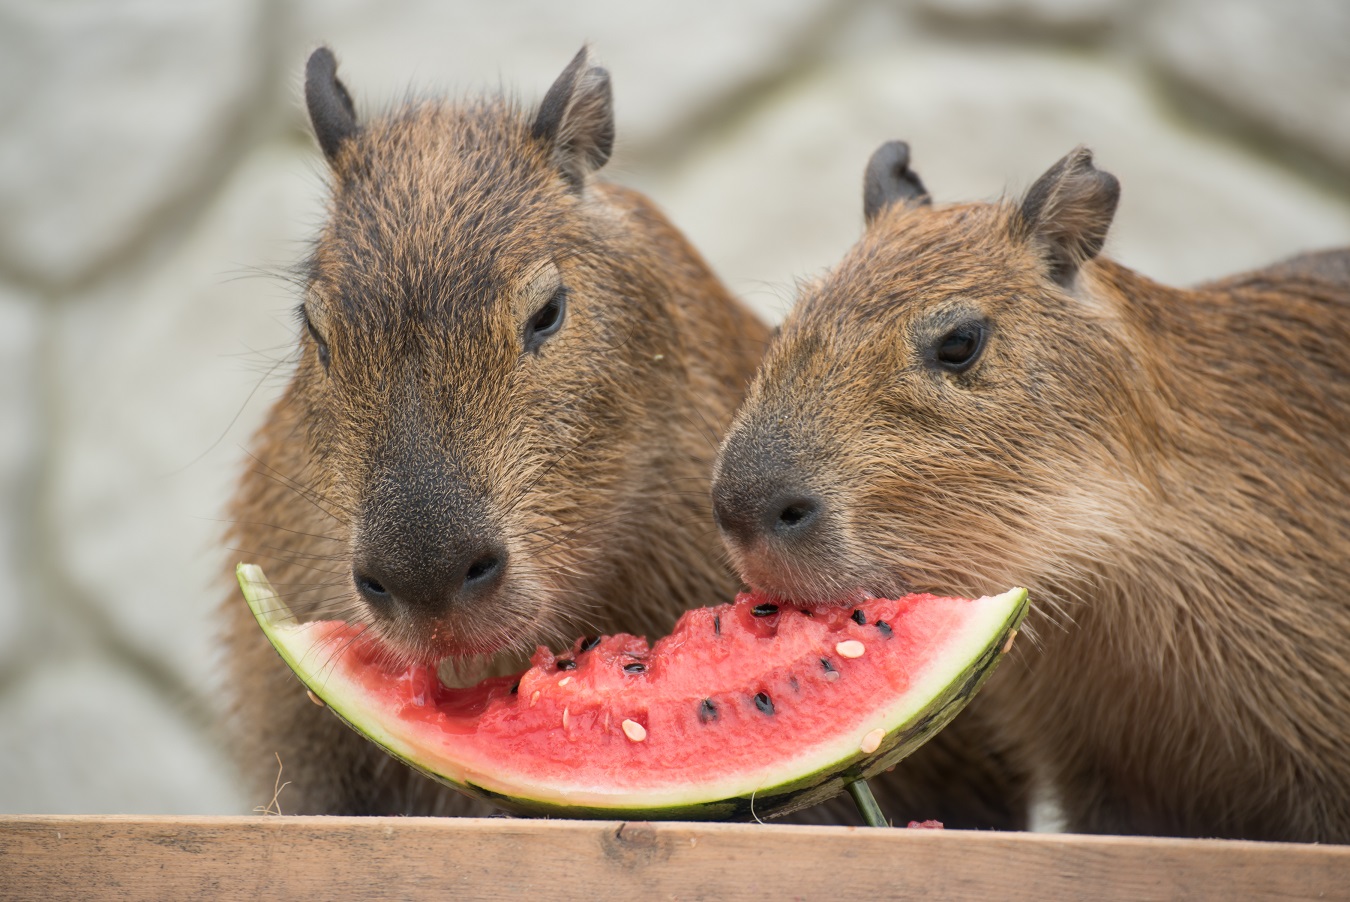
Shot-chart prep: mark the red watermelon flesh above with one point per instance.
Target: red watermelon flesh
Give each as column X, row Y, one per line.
column 747, row 705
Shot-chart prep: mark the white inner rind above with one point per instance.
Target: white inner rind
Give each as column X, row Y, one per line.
column 989, row 618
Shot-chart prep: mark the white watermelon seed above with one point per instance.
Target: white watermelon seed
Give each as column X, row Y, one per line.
column 315, row 699
column 564, row 718
column 564, row 681
column 634, row 730
column 534, row 698
column 850, row 648
column 1008, row 645
column 872, row 741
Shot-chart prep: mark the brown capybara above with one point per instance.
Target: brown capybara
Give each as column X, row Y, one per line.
column 974, row 399
column 512, row 380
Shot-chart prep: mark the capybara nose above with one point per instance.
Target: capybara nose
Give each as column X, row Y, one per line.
column 430, row 586
column 781, row 516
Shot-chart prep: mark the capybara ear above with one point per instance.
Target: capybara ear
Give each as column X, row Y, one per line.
column 330, row 106
column 889, row 179
column 577, row 118
column 1069, row 211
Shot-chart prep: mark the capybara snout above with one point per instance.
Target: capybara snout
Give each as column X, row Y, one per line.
column 425, row 545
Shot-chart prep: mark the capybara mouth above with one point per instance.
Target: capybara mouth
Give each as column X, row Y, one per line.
column 461, row 671
column 795, row 597
column 805, row 583
column 800, row 586
column 458, row 650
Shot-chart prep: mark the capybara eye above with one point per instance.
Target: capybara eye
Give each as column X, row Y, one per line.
column 324, row 355
column 958, row 349
column 546, row 321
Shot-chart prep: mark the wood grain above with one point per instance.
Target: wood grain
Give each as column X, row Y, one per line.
column 58, row 857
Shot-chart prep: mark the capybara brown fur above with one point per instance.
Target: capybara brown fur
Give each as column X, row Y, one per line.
column 511, row 384
column 975, row 399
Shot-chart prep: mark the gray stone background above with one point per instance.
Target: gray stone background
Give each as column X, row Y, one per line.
column 155, row 167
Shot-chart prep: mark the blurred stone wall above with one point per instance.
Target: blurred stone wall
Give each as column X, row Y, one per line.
column 156, row 173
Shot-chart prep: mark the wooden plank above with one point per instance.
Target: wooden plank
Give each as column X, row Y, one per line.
column 58, row 857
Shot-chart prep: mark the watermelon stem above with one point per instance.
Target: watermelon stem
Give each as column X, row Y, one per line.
column 867, row 803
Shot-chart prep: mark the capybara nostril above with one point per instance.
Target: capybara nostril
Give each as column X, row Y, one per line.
column 485, row 572
column 793, row 516
column 370, row 588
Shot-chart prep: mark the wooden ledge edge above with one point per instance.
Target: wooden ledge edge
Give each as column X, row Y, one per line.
column 266, row 857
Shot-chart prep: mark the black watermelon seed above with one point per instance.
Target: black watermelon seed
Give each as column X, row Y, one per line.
column 806, row 612
column 515, row 688
column 825, row 662
column 634, row 667
column 567, row 664
column 859, row 618
column 885, row 628
column 589, row 643
column 764, row 610
column 764, row 703
column 717, row 624
column 707, row 711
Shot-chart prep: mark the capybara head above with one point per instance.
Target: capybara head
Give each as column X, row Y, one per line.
column 482, row 352
column 941, row 405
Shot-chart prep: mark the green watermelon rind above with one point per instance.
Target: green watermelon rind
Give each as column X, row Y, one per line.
column 912, row 720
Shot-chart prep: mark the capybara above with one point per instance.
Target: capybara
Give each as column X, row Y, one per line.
column 974, row 398
column 511, row 383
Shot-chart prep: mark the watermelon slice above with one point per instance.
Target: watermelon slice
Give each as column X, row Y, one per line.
column 744, row 710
